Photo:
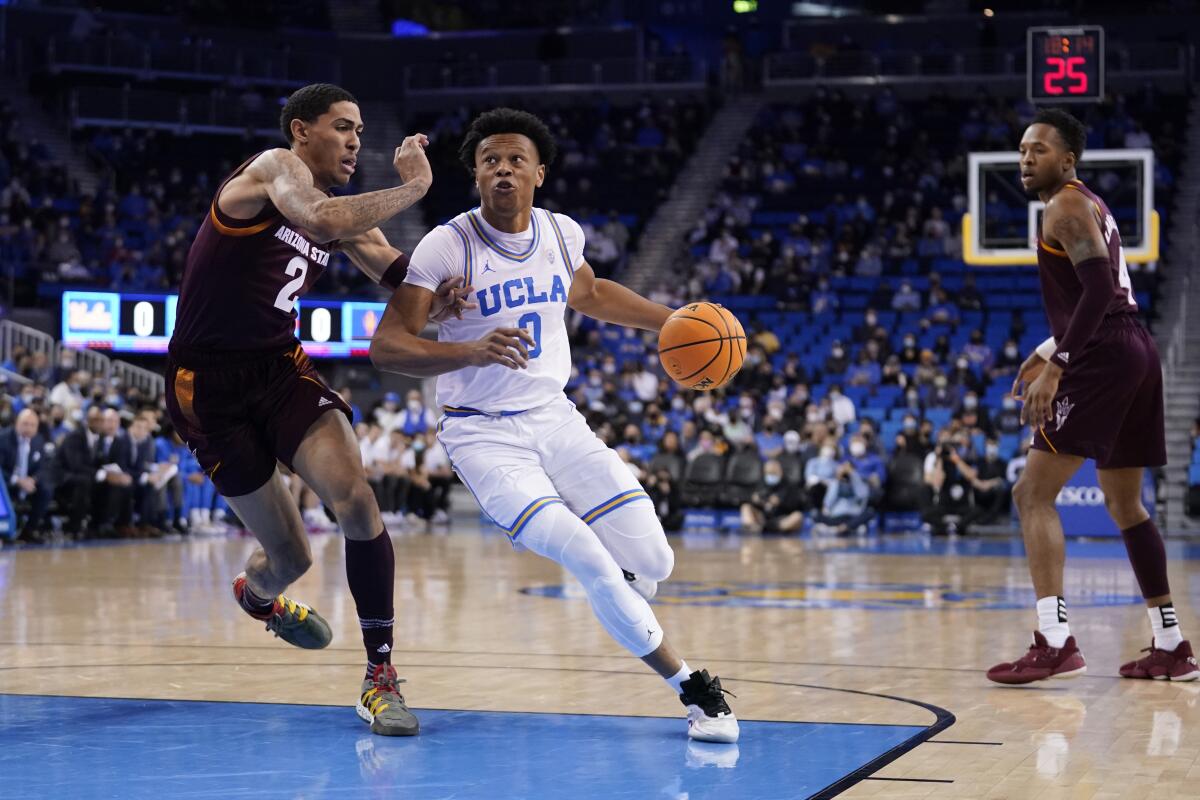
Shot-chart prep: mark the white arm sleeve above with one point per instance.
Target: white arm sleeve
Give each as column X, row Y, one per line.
column 439, row 256
column 1046, row 348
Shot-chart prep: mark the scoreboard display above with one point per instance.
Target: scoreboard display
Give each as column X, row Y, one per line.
column 1066, row 65
column 130, row 322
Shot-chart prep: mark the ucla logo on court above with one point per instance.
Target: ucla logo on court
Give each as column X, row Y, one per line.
column 850, row 594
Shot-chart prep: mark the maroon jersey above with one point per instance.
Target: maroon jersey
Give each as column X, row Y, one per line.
column 242, row 280
column 1061, row 288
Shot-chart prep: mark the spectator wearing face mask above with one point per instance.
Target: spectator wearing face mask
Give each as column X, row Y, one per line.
column 990, row 490
column 948, row 487
column 927, row 369
column 841, row 407
column 416, row 419
column 645, row 382
column 775, row 506
column 978, row 352
column 386, row 412
column 963, row 375
column 866, row 330
column 892, row 374
column 837, row 361
column 942, row 394
column 969, row 297
column 869, row 466
column 819, row 472
column 970, row 416
column 769, row 440
column 865, row 372
column 1008, row 417
column 844, row 509
column 941, row 310
column 909, row 352
column 639, row 450
column 1008, row 362
column 663, row 489
column 906, row 298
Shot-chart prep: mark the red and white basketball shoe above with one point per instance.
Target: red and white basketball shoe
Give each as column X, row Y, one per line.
column 1164, row 665
column 1040, row 662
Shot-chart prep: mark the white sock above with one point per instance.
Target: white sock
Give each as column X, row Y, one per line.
column 1052, row 620
column 1167, row 635
column 678, row 678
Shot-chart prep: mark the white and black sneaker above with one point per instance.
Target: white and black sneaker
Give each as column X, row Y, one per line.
column 709, row 716
column 643, row 586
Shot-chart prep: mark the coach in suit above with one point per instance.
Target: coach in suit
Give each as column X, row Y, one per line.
column 79, row 459
column 115, row 478
column 26, row 467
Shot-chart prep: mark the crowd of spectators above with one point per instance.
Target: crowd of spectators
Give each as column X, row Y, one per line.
column 84, row 457
column 615, row 164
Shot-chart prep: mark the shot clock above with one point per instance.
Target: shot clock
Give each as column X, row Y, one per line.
column 1066, row 65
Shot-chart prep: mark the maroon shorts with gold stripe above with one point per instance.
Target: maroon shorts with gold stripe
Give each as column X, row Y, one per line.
column 1109, row 405
column 239, row 413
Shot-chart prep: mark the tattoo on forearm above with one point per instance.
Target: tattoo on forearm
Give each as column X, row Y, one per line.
column 350, row 215
column 361, row 212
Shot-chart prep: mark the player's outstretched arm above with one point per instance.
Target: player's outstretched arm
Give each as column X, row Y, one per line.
column 288, row 182
column 611, row 302
column 398, row 347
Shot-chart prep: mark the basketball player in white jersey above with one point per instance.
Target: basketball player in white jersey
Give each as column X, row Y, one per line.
column 512, row 435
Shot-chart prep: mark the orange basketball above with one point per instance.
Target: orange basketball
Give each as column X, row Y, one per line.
column 702, row 346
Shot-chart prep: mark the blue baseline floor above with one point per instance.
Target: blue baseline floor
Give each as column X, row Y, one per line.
column 115, row 748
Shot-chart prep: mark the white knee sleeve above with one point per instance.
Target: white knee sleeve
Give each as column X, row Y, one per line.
column 562, row 537
column 635, row 537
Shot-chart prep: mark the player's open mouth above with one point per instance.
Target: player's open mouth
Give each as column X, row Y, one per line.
column 504, row 187
column 348, row 164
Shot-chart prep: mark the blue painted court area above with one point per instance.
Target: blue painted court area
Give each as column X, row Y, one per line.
column 106, row 748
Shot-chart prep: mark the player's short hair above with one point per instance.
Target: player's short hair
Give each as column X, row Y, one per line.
column 309, row 103
column 1070, row 129
column 507, row 120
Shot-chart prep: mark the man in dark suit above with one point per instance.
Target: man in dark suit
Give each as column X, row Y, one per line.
column 113, row 500
column 149, row 493
column 26, row 469
column 78, row 462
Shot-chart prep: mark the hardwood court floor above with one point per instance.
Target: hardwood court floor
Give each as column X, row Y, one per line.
column 874, row 650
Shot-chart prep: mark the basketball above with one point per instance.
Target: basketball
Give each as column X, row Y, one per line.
column 702, row 346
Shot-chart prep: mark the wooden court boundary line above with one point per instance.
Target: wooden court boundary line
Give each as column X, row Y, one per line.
column 943, row 719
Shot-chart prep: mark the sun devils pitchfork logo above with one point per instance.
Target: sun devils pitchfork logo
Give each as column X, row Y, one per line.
column 1061, row 409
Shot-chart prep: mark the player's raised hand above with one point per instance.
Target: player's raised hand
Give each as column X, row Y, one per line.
column 504, row 346
column 450, row 300
column 410, row 161
column 1026, row 375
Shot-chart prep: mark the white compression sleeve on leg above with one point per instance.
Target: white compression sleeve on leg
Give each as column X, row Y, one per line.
column 634, row 536
column 562, row 537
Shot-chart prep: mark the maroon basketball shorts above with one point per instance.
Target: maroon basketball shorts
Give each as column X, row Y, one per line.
column 239, row 414
column 1109, row 405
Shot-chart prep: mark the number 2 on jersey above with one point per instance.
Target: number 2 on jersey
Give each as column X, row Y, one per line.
column 286, row 299
column 534, row 322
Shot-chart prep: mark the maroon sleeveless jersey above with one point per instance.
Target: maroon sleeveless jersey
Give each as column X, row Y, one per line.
column 242, row 280
column 1061, row 288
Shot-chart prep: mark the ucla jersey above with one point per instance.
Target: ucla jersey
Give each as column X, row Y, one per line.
column 520, row 281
